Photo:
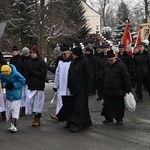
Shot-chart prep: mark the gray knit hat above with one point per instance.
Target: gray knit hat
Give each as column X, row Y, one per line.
column 57, row 51
column 25, row 50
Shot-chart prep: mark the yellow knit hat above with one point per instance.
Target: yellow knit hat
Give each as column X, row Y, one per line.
column 6, row 70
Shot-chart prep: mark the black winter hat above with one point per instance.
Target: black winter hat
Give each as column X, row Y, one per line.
column 89, row 49
column 141, row 44
column 110, row 54
column 105, row 46
column 98, row 47
column 77, row 51
column 121, row 46
column 64, row 47
column 14, row 48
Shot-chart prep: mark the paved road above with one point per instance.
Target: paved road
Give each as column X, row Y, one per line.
column 51, row 135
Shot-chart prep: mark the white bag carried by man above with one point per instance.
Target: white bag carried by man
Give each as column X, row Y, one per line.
column 130, row 102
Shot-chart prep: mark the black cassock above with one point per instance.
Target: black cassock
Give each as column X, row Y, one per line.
column 80, row 82
column 113, row 107
column 75, row 110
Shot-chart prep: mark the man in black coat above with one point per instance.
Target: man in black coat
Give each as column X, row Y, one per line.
column 142, row 70
column 89, row 55
column 125, row 58
column 116, row 83
column 97, row 57
column 101, row 64
column 80, row 83
column 15, row 56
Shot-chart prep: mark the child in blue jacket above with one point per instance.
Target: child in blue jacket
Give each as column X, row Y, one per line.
column 13, row 82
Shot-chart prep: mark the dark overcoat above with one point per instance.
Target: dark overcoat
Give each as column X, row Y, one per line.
column 80, row 82
column 116, row 83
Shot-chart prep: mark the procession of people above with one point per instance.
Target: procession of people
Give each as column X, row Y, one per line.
column 95, row 70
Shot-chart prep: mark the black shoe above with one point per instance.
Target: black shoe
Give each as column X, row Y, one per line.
column 69, row 125
column 119, row 122
column 99, row 99
column 108, row 121
column 139, row 100
column 22, row 111
column 75, row 128
column 94, row 92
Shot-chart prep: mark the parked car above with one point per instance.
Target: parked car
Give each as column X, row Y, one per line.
column 51, row 70
column 51, row 65
column 7, row 56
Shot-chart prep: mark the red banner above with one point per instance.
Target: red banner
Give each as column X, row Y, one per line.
column 126, row 39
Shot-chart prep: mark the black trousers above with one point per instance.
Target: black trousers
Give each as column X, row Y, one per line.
column 75, row 110
column 142, row 80
column 98, row 84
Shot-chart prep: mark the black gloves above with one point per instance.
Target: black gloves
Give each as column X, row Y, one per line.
column 55, row 90
column 9, row 86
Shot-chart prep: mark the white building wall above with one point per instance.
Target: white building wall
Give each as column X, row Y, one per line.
column 93, row 18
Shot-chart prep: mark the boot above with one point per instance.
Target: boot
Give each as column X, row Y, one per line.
column 22, row 111
column 2, row 117
column 36, row 122
column 13, row 126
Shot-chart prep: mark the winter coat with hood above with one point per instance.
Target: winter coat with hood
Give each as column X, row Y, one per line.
column 36, row 73
column 18, row 81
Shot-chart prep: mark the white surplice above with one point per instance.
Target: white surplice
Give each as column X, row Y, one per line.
column 2, row 104
column 61, row 82
column 34, row 101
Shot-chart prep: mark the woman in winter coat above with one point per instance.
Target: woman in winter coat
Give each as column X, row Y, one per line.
column 36, row 75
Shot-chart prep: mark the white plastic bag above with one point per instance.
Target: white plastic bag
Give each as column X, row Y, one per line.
column 130, row 102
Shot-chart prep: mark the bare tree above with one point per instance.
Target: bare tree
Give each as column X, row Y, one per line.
column 46, row 22
column 106, row 8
